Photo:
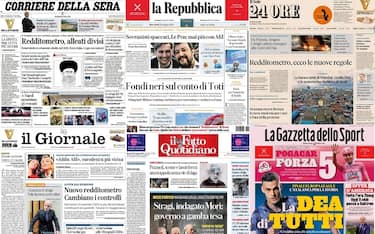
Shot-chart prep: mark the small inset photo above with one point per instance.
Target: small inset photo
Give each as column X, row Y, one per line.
column 69, row 25
column 43, row 216
column 240, row 187
column 136, row 142
column 131, row 128
column 56, row 115
column 159, row 183
column 236, row 61
column 40, row 166
column 213, row 175
column 361, row 224
column 101, row 115
column 15, row 111
column 311, row 42
column 67, row 73
column 362, row 78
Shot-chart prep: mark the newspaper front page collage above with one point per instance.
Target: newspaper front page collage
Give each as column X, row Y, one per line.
column 182, row 117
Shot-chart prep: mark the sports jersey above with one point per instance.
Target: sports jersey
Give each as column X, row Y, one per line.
column 354, row 172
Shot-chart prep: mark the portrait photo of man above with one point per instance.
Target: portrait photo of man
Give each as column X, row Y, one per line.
column 162, row 230
column 271, row 189
column 362, row 227
column 68, row 69
column 48, row 221
column 27, row 23
column 189, row 229
column 362, row 78
column 184, row 53
column 351, row 170
column 213, row 176
column 164, row 58
column 175, row 230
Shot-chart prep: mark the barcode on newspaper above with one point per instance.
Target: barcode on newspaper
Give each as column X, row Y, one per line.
column 242, row 128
